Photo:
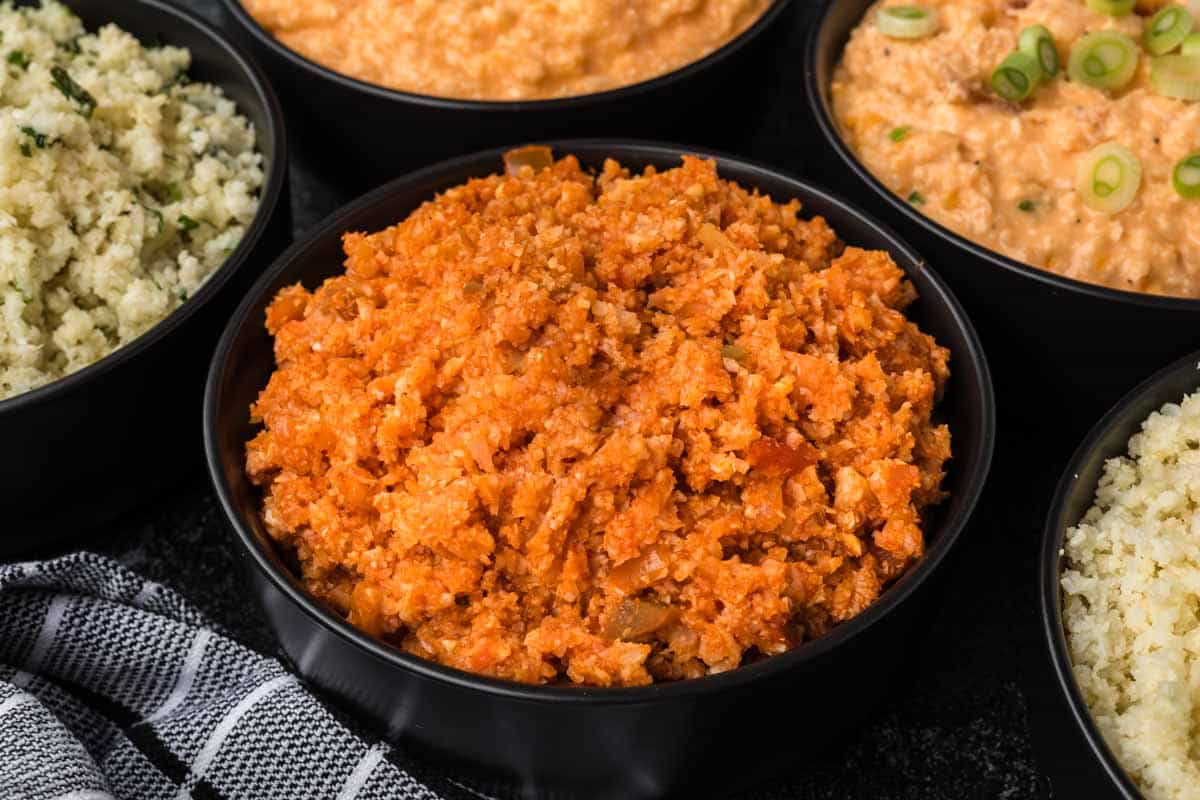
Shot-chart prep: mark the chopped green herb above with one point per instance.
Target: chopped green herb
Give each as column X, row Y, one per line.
column 24, row 296
column 158, row 215
column 163, row 193
column 180, row 79
column 734, row 353
column 71, row 46
column 19, row 59
column 916, row 198
column 186, row 223
column 26, row 150
column 40, row 139
column 1027, row 206
column 63, row 81
column 473, row 287
column 898, row 134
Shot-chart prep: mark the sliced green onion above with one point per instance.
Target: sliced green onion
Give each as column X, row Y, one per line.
column 898, row 134
column 1114, row 8
column 1187, row 177
column 1028, row 206
column 1037, row 42
column 1104, row 59
column 906, row 22
column 1191, row 45
column 1176, row 76
column 1016, row 77
column 1167, row 29
column 1108, row 178
column 916, row 198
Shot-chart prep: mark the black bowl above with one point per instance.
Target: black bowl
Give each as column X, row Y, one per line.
column 337, row 118
column 705, row 735
column 82, row 449
column 1077, row 345
column 1074, row 496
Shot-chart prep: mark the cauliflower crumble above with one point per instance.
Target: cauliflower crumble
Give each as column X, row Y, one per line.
column 1131, row 593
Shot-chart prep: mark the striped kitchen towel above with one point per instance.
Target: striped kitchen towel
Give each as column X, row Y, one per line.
column 112, row 686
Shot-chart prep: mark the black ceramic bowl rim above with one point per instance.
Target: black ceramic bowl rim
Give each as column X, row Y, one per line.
column 816, row 98
column 1051, row 563
column 268, row 200
column 487, row 161
column 264, row 37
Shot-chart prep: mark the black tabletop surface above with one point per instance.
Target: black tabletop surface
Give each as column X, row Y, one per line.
column 975, row 713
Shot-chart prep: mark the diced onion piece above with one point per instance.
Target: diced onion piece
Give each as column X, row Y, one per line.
column 1167, row 29
column 1104, row 59
column 1191, row 45
column 1186, row 177
column 1108, row 178
column 1176, row 76
column 536, row 157
column 1114, row 8
column 635, row 618
column 906, row 22
column 1016, row 77
column 1037, row 42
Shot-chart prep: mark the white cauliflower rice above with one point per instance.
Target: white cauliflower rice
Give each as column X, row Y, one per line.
column 1131, row 593
column 122, row 188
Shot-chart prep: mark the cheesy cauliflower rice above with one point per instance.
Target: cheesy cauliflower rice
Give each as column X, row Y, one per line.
column 1131, row 593
column 505, row 49
column 922, row 118
column 122, row 189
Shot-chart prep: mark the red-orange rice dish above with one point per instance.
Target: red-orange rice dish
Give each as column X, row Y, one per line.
column 610, row 429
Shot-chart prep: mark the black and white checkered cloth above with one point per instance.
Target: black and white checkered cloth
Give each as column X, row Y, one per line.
column 112, row 686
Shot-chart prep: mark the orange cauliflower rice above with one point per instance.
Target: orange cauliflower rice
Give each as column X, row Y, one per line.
column 611, row 429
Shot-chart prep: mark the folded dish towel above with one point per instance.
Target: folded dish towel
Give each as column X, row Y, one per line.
column 112, row 686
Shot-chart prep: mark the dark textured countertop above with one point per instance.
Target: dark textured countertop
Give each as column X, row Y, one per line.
column 975, row 714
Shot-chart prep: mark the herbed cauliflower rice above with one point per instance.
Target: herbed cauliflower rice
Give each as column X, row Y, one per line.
column 1131, row 593
column 122, row 189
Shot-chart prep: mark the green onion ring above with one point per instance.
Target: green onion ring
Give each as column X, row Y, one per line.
column 1104, row 59
column 1191, row 45
column 1108, row 178
column 1176, row 76
column 1167, row 29
column 1037, row 42
column 1186, row 176
column 1016, row 77
column 906, row 22
column 1114, row 8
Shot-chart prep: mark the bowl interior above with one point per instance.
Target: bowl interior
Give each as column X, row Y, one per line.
column 245, row 360
column 1074, row 496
